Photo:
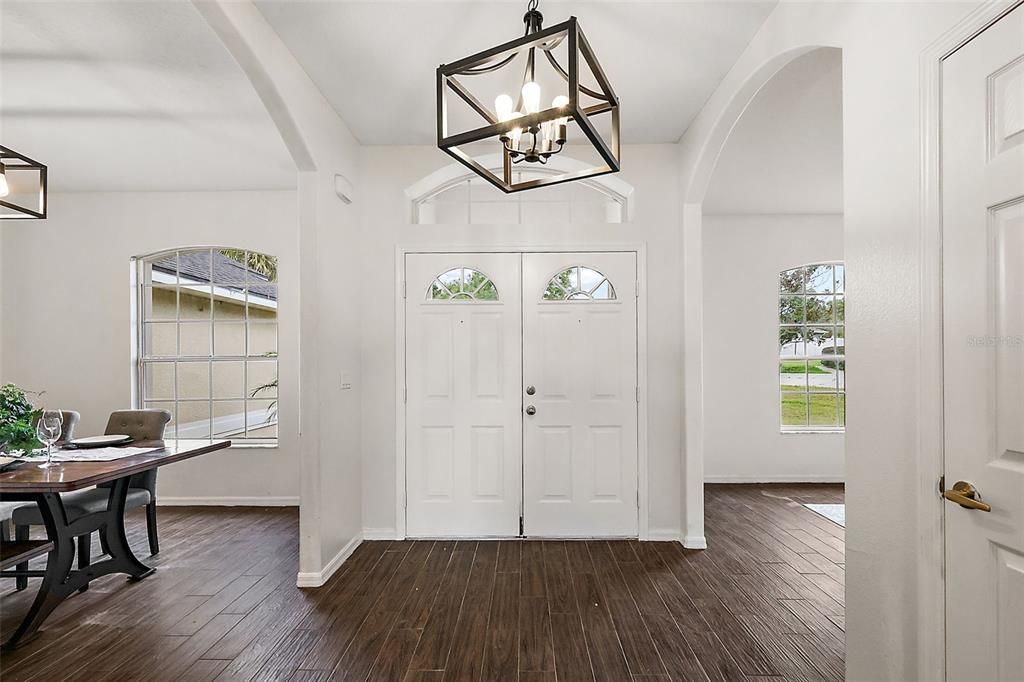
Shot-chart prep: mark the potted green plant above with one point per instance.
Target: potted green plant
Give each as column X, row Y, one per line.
column 17, row 416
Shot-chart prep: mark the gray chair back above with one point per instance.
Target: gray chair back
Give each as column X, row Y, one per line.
column 146, row 427
column 69, row 419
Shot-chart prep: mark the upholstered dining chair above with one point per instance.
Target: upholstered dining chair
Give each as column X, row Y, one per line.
column 146, row 427
column 69, row 420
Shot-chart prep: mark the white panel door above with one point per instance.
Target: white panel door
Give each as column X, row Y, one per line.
column 983, row 318
column 580, row 422
column 463, row 412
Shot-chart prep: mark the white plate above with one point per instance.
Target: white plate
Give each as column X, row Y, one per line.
column 100, row 441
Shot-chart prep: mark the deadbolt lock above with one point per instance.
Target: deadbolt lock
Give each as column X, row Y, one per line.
column 530, row 390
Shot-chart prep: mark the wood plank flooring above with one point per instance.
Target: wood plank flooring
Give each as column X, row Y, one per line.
column 765, row 601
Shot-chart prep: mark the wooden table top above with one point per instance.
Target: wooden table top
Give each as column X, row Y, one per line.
column 67, row 476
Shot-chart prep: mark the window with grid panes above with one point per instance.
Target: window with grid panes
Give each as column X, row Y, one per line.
column 207, row 342
column 812, row 347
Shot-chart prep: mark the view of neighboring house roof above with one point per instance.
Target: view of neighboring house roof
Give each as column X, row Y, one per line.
column 197, row 267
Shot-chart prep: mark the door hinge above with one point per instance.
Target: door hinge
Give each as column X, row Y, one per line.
column 636, row 289
column 942, row 484
column 403, row 289
column 637, row 395
column 405, row 395
column 520, row 525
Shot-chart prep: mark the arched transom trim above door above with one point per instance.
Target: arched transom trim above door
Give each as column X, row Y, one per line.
column 579, row 283
column 462, row 284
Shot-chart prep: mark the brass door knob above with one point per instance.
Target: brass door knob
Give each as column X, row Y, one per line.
column 531, row 410
column 967, row 496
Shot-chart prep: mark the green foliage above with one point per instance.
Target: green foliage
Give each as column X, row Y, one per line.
column 838, row 350
column 797, row 367
column 257, row 262
column 16, row 420
column 559, row 287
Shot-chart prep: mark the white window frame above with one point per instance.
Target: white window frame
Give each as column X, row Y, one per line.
column 840, row 389
column 141, row 360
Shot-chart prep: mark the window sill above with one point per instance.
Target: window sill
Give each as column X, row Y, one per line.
column 788, row 432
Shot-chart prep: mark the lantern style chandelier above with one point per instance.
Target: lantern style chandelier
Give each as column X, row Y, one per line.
column 520, row 129
column 22, row 187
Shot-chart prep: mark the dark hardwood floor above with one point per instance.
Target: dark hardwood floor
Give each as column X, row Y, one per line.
column 765, row 601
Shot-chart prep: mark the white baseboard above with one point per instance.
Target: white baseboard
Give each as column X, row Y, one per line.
column 810, row 478
column 695, row 542
column 162, row 501
column 662, row 534
column 380, row 534
column 318, row 578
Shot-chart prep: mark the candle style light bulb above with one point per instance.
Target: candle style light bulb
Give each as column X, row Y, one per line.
column 559, row 128
column 4, row 189
column 531, row 97
column 503, row 107
column 516, row 133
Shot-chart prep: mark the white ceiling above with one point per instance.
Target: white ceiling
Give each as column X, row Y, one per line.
column 375, row 61
column 132, row 96
column 785, row 154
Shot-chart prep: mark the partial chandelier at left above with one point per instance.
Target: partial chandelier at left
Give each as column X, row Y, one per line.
column 22, row 187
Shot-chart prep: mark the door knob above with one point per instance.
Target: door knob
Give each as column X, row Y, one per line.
column 966, row 495
column 530, row 390
column 531, row 410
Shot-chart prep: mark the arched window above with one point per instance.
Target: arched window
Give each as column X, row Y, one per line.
column 812, row 347
column 579, row 283
column 452, row 195
column 462, row 284
column 207, row 342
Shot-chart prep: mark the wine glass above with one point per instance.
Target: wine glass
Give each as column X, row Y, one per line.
column 48, row 430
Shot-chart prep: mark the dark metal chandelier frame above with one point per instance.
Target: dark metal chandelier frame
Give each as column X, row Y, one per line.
column 13, row 161
column 488, row 61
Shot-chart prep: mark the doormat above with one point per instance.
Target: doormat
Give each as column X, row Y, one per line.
column 836, row 513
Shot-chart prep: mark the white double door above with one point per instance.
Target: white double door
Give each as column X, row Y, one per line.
column 521, row 394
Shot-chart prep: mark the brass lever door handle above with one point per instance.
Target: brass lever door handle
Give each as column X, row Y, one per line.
column 965, row 494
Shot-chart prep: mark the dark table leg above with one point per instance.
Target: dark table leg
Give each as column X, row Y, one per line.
column 59, row 580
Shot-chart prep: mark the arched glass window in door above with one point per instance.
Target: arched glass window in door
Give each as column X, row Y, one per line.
column 579, row 283
column 462, row 284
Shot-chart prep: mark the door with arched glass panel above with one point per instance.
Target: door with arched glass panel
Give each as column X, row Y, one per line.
column 580, row 393
column 463, row 408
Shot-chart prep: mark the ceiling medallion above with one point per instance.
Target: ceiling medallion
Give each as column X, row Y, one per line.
column 22, row 187
column 522, row 131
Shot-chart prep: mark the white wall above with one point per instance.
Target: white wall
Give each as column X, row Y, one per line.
column 66, row 307
column 743, row 255
column 887, row 636
column 384, row 224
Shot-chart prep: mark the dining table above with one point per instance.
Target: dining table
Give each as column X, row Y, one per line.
column 28, row 482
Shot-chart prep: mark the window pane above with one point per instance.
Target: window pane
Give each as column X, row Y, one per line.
column 791, row 309
column 228, row 418
column 194, row 419
column 820, row 279
column 818, row 338
column 261, row 419
column 159, row 381
column 170, row 431
column 262, row 339
column 262, row 267
column 194, row 266
column 819, row 310
column 263, row 301
column 162, row 270
column 160, row 339
column 791, row 281
column 840, row 279
column 195, row 338
column 193, row 380
column 229, row 267
column 228, row 379
column 229, row 338
column 159, row 303
column 794, row 409
column 840, row 309
column 194, row 302
column 819, row 377
column 823, row 409
column 261, row 381
column 229, row 302
column 793, row 375
column 842, row 409
column 791, row 342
